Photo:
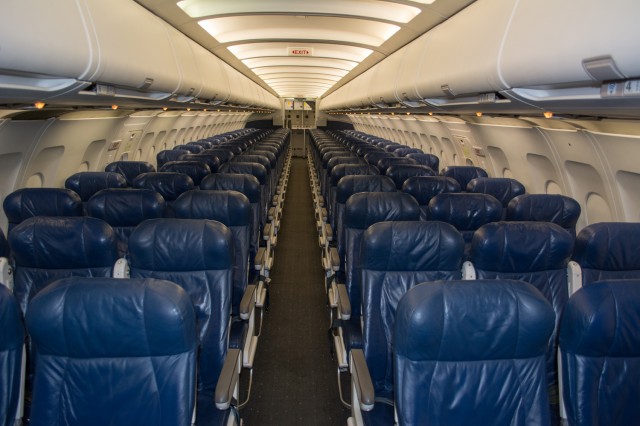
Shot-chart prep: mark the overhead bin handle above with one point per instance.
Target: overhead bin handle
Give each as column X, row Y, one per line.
column 602, row 68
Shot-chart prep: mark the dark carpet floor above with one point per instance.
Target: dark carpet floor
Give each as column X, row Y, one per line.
column 294, row 376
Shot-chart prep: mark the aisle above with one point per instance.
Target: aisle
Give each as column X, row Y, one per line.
column 294, row 377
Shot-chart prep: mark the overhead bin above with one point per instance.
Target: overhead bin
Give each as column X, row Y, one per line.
column 409, row 73
column 190, row 81
column 215, row 81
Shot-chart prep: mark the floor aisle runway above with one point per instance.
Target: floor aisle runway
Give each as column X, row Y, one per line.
column 294, row 375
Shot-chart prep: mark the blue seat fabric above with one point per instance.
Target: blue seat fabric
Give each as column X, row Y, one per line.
column 130, row 169
column 558, row 209
column 29, row 202
column 11, row 343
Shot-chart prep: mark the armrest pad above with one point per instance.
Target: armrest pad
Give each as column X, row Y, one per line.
column 362, row 380
column 320, row 200
column 248, row 302
column 344, row 304
column 121, row 268
column 260, row 257
column 272, row 213
column 328, row 232
column 266, row 232
column 335, row 259
column 325, row 215
column 6, row 273
column 228, row 379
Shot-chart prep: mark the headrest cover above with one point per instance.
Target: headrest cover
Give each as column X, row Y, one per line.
column 195, row 169
column 260, row 159
column 11, row 329
column 503, row 189
column 243, row 183
column 63, row 243
column 601, row 320
column 181, row 245
column 195, row 149
column 110, row 318
column 342, row 170
column 269, row 155
column 167, row 155
column 29, row 202
column 206, row 144
column 224, row 155
column 404, row 151
column 210, row 160
column 349, row 185
column 85, row 184
column 386, row 162
column 126, row 207
column 130, row 169
column 401, row 172
column 464, row 174
column 366, row 208
column 428, row 160
column 558, row 209
column 331, row 153
column 467, row 212
column 230, row 208
column 375, row 156
column 424, row 188
column 449, row 321
column 335, row 161
column 412, row 246
column 168, row 184
column 609, row 246
column 255, row 169
column 521, row 247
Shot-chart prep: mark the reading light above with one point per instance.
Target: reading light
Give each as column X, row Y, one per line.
column 164, row 108
column 114, row 106
column 430, row 113
column 188, row 109
column 548, row 114
column 479, row 114
column 39, row 105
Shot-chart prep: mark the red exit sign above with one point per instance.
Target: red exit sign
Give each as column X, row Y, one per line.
column 300, row 51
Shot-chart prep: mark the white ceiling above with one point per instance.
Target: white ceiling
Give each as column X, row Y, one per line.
column 342, row 38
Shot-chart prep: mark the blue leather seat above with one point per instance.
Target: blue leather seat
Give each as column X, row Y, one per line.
column 30, row 202
column 608, row 250
column 502, row 189
column 386, row 162
column 467, row 212
column 404, row 151
column 340, row 171
column 401, row 172
column 124, row 209
column 5, row 251
column 11, row 346
column 535, row 252
column 260, row 173
column 269, row 167
column 224, row 155
column 600, row 352
column 429, row 160
column 48, row 248
column 168, row 184
column 112, row 352
column 130, row 169
column 203, row 143
column 464, row 174
column 85, row 184
column 424, row 188
column 457, row 362
column 196, row 170
column 212, row 161
column 558, row 209
column 194, row 149
column 375, row 156
column 168, row 155
column 325, row 181
column 198, row 256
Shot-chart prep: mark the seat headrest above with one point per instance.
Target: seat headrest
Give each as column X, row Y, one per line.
column 255, row 169
column 401, row 172
column 352, row 184
column 559, row 209
column 234, row 146
column 375, row 156
column 195, row 149
column 412, row 246
column 112, row 318
column 424, row 188
column 449, row 321
column 336, row 161
column 467, row 212
column 228, row 207
column 167, row 155
column 125, row 207
column 609, row 246
column 196, row 170
column 503, row 189
column 464, row 174
column 63, row 243
column 206, row 144
column 342, row 170
column 250, row 158
column 29, row 202
column 130, row 169
column 366, row 208
column 168, row 184
column 11, row 329
column 85, row 184
column 224, row 155
column 428, row 160
column 521, row 247
column 601, row 320
column 386, row 162
column 404, row 151
column 181, row 245
column 265, row 152
column 243, row 183
column 212, row 161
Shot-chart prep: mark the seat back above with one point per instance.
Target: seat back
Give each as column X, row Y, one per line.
column 340, row 171
column 11, row 347
column 464, row 174
column 401, row 172
column 600, row 351
column 260, row 173
column 4, row 245
column 375, row 156
column 29, row 202
column 233, row 210
column 85, row 184
column 198, row 256
column 130, row 169
column 534, row 252
column 212, row 161
column 196, row 170
column 168, row 184
column 429, row 160
column 424, row 188
column 194, row 149
column 48, row 248
column 224, row 155
column 113, row 352
column 502, row 189
column 449, row 349
column 167, row 155
column 386, row 162
column 405, row 150
column 558, row 209
column 361, row 211
column 124, row 209
column 395, row 256
column 608, row 250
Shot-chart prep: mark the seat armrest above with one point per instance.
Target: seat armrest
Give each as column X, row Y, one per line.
column 121, row 269
column 6, row 273
column 468, row 271
column 248, row 302
column 266, row 232
column 574, row 277
column 271, row 213
column 334, row 259
column 344, row 304
column 260, row 258
column 328, row 232
column 361, row 379
column 228, row 379
column 325, row 215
